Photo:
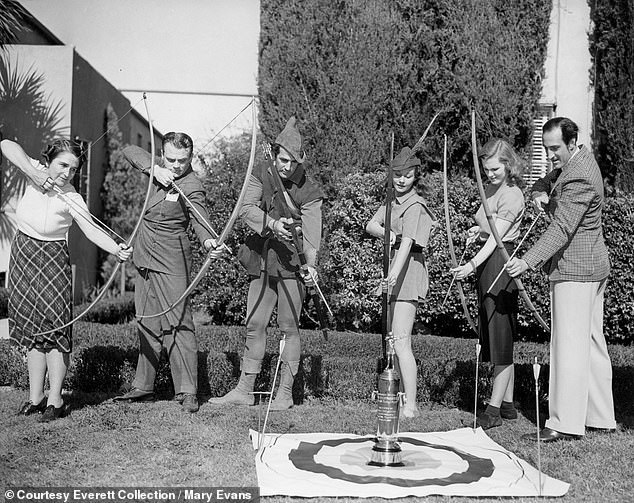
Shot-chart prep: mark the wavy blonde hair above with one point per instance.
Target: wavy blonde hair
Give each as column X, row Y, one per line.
column 500, row 149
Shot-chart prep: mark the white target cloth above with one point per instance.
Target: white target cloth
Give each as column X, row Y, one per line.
column 462, row 462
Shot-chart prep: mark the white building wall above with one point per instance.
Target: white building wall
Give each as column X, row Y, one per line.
column 567, row 69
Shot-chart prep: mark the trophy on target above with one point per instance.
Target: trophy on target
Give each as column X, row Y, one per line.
column 387, row 449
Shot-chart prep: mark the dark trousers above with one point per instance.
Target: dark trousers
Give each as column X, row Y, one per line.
column 154, row 292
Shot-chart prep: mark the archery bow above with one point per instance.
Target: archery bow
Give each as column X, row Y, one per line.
column 452, row 252
column 128, row 242
column 494, row 231
column 387, row 248
column 313, row 290
column 227, row 229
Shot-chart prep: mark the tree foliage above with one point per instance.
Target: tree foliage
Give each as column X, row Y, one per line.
column 353, row 72
column 12, row 18
column 612, row 47
column 123, row 191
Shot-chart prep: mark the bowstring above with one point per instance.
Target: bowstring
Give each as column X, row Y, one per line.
column 202, row 149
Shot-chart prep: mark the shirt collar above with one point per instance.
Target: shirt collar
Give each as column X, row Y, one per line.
column 405, row 197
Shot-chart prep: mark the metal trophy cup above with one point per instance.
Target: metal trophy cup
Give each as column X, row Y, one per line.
column 387, row 450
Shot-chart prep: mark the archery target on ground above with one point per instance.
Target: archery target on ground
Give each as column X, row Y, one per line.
column 462, row 462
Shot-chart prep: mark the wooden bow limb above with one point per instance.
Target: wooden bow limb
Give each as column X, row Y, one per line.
column 228, row 227
column 515, row 251
column 494, row 231
column 386, row 322
column 128, row 242
column 452, row 251
column 453, row 279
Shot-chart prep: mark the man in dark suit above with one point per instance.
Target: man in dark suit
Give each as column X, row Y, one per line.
column 162, row 255
column 573, row 254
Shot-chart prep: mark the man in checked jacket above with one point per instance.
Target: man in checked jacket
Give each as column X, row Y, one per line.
column 573, row 254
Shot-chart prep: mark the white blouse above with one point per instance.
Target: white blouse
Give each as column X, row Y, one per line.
column 48, row 217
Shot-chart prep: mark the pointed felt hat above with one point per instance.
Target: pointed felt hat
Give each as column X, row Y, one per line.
column 405, row 160
column 291, row 141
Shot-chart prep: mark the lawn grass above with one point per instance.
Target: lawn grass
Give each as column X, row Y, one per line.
column 157, row 445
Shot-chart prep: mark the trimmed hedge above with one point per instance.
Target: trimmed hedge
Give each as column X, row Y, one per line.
column 344, row 367
column 112, row 310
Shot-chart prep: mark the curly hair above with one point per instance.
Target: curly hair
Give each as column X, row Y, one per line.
column 62, row 145
column 497, row 148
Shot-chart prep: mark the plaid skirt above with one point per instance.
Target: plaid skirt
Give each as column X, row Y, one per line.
column 40, row 293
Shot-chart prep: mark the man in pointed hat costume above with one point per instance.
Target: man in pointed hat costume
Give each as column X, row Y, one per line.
column 273, row 263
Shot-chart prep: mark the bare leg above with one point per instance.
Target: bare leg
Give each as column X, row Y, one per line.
column 57, row 363
column 503, row 382
column 402, row 323
column 36, row 363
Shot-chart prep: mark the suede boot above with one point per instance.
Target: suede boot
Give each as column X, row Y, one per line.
column 241, row 394
column 284, row 397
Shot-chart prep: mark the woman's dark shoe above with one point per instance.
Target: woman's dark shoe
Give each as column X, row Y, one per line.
column 508, row 410
column 52, row 413
column 487, row 421
column 28, row 408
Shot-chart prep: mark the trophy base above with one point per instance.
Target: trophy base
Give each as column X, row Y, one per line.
column 386, row 455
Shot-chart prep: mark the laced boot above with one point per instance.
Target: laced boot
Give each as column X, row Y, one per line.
column 241, row 394
column 284, row 397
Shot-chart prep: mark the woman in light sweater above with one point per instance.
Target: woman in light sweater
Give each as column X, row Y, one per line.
column 497, row 302
column 40, row 300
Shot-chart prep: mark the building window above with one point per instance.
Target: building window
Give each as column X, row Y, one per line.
column 139, row 140
column 539, row 162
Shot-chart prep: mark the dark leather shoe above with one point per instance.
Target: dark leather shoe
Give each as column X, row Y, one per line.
column 28, row 408
column 488, row 421
column 52, row 413
column 135, row 395
column 190, row 403
column 549, row 435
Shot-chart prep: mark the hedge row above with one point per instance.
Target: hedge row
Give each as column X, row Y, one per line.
column 343, row 367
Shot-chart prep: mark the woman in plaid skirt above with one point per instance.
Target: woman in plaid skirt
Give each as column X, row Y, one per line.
column 39, row 268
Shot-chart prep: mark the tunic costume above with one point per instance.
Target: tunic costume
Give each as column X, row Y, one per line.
column 497, row 312
column 40, row 279
column 163, row 257
column 274, row 265
column 410, row 218
column 573, row 253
